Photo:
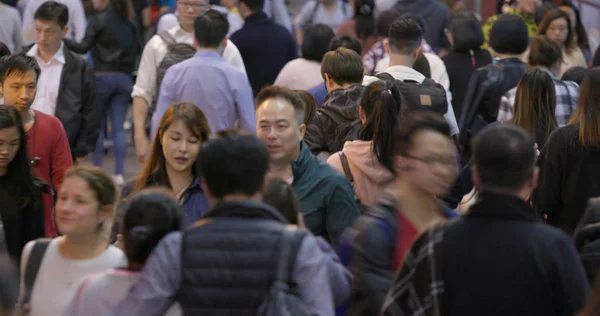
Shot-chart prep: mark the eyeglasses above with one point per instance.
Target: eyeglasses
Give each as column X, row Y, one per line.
column 194, row 5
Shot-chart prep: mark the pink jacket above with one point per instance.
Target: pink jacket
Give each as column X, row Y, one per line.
column 370, row 177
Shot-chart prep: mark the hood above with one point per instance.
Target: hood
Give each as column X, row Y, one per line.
column 361, row 156
column 345, row 101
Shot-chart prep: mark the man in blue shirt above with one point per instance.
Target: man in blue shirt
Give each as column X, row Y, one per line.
column 220, row 90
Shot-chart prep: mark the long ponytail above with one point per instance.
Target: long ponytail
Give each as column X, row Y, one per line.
column 381, row 105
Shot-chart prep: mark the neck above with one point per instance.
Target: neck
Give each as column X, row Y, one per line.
column 401, row 60
column 187, row 28
column 179, row 179
column 553, row 70
column 523, row 193
column 83, row 247
column 281, row 170
column 46, row 55
column 419, row 207
column 506, row 56
column 27, row 116
column 335, row 86
column 242, row 197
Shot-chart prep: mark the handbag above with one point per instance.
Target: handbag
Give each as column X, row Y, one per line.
column 283, row 298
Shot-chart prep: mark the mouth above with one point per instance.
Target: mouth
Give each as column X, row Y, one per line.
column 273, row 147
column 181, row 160
column 3, row 160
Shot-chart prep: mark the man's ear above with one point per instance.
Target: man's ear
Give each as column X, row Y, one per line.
column 224, row 42
column 302, row 131
column 65, row 31
column 417, row 52
column 386, row 46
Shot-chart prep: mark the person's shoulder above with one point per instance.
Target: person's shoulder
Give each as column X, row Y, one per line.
column 115, row 256
column 48, row 120
column 11, row 10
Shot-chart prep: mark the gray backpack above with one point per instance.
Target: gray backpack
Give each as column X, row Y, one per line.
column 176, row 53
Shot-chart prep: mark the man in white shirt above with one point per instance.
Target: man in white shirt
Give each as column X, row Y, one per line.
column 76, row 24
column 145, row 90
column 170, row 20
column 403, row 47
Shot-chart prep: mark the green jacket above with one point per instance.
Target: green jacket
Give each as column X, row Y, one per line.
column 528, row 18
column 326, row 197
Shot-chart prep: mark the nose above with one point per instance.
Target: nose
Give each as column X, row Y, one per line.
column 24, row 93
column 183, row 147
column 271, row 134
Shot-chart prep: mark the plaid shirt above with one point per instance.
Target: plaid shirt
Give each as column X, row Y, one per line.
column 567, row 96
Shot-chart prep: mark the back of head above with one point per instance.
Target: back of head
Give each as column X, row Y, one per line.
column 509, row 35
column 4, row 50
column 381, row 104
column 535, row 104
column 575, row 74
column 587, row 114
column 467, row 34
column 149, row 216
column 504, row 156
column 384, row 22
column 364, row 17
column 280, row 195
column 310, row 104
column 316, row 41
column 210, row 29
column 52, row 11
column 234, row 162
column 254, row 5
column 343, row 66
column 346, row 42
column 544, row 52
column 405, row 36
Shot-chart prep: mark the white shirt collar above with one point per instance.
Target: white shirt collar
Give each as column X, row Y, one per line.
column 59, row 56
column 178, row 31
column 405, row 73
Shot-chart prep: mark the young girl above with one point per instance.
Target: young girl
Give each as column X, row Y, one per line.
column 21, row 212
column 149, row 216
column 173, row 160
column 84, row 215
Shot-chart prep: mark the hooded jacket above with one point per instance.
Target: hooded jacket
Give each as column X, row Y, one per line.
column 370, row 177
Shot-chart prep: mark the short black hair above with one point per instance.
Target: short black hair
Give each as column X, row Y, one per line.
column 384, row 22
column 149, row 216
column 466, row 32
column 210, row 29
column 18, row 64
column 575, row 74
column 509, row 35
column 233, row 162
column 254, row 5
column 544, row 52
column 504, row 156
column 343, row 66
column 405, row 36
column 53, row 11
column 286, row 94
column 316, row 41
column 346, row 41
column 4, row 50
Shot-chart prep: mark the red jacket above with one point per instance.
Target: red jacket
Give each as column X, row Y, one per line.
column 50, row 154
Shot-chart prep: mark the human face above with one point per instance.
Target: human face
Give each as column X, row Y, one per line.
column 48, row 35
column 78, row 211
column 529, row 6
column 180, row 147
column 19, row 90
column 571, row 13
column 431, row 163
column 10, row 142
column 558, row 31
column 188, row 10
column 279, row 129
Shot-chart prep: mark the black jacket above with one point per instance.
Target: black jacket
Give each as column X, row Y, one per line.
column 501, row 259
column 114, row 42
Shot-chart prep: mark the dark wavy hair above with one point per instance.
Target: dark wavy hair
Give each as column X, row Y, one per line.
column 19, row 174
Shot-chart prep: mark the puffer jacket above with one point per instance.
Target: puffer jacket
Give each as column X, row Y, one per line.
column 322, row 130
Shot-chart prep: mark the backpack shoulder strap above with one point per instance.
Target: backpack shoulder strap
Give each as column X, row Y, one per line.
column 33, row 266
column 385, row 76
column 346, row 167
column 291, row 239
column 314, row 12
column 167, row 38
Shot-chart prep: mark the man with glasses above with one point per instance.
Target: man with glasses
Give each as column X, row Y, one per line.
column 146, row 88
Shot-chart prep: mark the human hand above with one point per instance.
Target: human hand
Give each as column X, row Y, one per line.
column 142, row 148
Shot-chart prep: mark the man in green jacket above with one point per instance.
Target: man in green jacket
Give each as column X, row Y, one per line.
column 325, row 195
column 525, row 9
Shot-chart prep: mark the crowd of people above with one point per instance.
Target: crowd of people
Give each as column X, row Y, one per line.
column 316, row 158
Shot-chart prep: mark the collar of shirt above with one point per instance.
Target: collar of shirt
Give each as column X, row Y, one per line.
column 405, row 73
column 59, row 56
column 206, row 53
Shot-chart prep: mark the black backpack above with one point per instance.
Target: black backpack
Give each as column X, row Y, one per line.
column 416, row 96
column 345, row 130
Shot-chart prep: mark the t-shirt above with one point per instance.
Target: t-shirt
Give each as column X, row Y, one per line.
column 58, row 277
column 100, row 293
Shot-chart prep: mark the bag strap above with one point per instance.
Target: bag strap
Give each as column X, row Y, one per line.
column 346, row 167
column 385, row 76
column 33, row 266
column 167, row 38
column 291, row 239
column 313, row 13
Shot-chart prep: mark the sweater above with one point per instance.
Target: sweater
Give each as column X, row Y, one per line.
column 48, row 146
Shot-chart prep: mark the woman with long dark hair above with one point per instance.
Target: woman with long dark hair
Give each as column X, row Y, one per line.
column 535, row 104
column 22, row 210
column 556, row 25
column 115, row 43
column 569, row 162
column 173, row 159
column 370, row 159
column 580, row 34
